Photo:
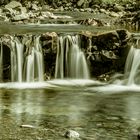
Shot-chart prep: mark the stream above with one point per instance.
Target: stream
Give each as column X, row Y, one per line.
column 46, row 110
column 94, row 110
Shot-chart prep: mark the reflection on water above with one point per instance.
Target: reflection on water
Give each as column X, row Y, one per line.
column 94, row 115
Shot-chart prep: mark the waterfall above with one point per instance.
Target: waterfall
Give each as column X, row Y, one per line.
column 70, row 60
column 33, row 68
column 16, row 60
column 26, row 60
column 132, row 66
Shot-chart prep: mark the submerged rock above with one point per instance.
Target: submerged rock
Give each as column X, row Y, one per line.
column 104, row 77
column 108, row 54
column 27, row 126
column 72, row 134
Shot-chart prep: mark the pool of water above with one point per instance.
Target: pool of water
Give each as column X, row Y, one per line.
column 91, row 109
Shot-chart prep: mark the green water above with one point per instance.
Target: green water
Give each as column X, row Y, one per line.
column 94, row 115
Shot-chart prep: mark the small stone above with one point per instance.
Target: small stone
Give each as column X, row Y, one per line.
column 72, row 134
column 82, row 10
column 45, row 7
column 108, row 54
column 118, row 8
column 13, row 4
column 20, row 17
column 113, row 14
column 88, row 9
column 80, row 3
column 61, row 9
column 34, row 7
column 27, row 126
column 103, row 11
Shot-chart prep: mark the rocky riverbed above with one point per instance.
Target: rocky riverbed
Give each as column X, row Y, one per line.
column 50, row 114
column 94, row 13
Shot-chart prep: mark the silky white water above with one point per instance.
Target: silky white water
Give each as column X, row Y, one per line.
column 70, row 61
column 26, row 60
column 132, row 67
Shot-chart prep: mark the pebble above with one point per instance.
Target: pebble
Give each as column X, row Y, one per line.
column 27, row 126
column 72, row 134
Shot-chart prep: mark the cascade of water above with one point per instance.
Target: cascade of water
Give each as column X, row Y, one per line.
column 16, row 59
column 132, row 67
column 33, row 68
column 70, row 61
column 26, row 62
column 59, row 68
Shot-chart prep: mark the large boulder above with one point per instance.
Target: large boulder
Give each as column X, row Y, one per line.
column 107, row 51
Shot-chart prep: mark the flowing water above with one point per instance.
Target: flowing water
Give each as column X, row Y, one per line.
column 70, row 61
column 132, row 68
column 33, row 109
column 26, row 63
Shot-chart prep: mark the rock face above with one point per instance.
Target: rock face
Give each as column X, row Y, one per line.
column 107, row 52
column 49, row 46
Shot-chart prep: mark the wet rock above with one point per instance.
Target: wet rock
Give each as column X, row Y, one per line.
column 107, row 51
column 104, row 77
column 72, row 134
column 13, row 4
column 20, row 17
column 3, row 2
column 49, row 46
column 135, row 20
column 34, row 7
column 3, row 18
column 103, row 11
column 45, row 7
column 124, row 36
column 118, row 8
column 80, row 3
column 113, row 39
column 114, row 14
column 106, row 55
column 138, row 136
column 107, row 40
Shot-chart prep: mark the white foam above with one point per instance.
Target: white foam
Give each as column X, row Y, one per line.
column 54, row 84
column 111, row 89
